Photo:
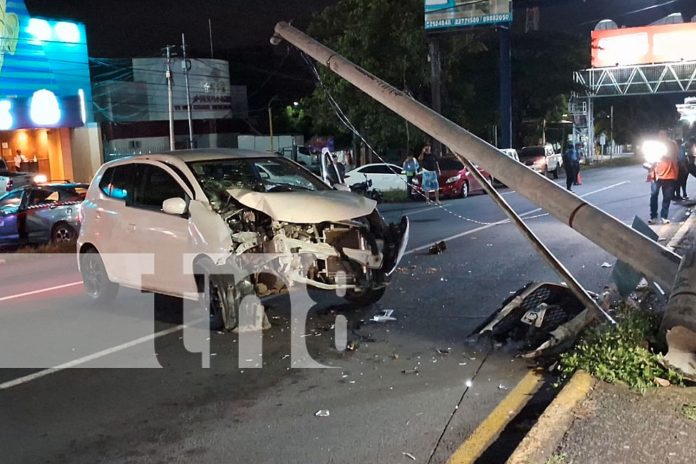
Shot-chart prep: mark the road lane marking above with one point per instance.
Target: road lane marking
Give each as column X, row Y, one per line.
column 36, row 292
column 488, row 430
column 93, row 356
column 503, row 221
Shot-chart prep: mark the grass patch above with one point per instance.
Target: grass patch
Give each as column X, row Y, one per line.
column 394, row 196
column 621, row 353
column 557, row 458
column 689, row 411
column 65, row 247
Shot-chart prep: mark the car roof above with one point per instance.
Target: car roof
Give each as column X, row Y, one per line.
column 207, row 154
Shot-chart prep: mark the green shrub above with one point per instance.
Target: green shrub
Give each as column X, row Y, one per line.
column 620, row 353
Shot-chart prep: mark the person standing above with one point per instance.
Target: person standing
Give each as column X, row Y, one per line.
column 411, row 167
column 683, row 176
column 664, row 175
column 571, row 164
column 581, row 155
column 431, row 170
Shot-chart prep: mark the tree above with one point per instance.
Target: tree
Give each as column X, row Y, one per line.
column 385, row 37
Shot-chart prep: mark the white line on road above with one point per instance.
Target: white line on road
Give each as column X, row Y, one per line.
column 36, row 292
column 504, row 221
column 92, row 357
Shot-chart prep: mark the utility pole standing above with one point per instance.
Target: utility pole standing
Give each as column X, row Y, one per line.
column 170, row 95
column 436, row 85
column 186, row 66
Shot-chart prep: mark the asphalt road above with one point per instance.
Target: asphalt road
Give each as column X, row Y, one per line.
column 99, row 412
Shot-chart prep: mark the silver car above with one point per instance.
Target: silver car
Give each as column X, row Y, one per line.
column 41, row 214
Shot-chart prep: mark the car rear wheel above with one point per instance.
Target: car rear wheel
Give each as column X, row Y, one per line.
column 63, row 233
column 95, row 278
column 465, row 190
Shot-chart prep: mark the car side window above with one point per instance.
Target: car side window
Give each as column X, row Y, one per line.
column 117, row 182
column 154, row 186
column 40, row 197
column 10, row 203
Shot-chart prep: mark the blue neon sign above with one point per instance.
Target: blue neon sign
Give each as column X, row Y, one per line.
column 44, row 71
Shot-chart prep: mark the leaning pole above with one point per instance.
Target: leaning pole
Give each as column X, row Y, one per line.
column 652, row 259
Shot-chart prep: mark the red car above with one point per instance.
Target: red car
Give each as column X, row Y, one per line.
column 455, row 180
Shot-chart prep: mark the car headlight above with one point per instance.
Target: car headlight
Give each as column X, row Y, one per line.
column 453, row 179
column 654, row 150
column 40, row 179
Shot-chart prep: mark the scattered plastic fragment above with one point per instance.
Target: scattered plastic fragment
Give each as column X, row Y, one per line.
column 438, row 248
column 410, row 371
column 502, row 387
column 322, row 413
column 606, row 265
column 383, row 316
column 409, row 455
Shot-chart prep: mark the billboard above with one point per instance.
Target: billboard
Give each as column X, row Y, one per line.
column 44, row 71
column 644, row 45
column 448, row 14
column 209, row 83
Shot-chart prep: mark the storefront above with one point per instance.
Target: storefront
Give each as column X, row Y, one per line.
column 46, row 120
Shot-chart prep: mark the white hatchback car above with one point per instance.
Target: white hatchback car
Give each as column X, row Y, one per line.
column 217, row 205
column 384, row 176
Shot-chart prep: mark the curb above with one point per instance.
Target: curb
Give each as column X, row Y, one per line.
column 682, row 231
column 538, row 445
column 489, row 430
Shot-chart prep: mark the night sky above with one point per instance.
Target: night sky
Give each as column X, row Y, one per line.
column 125, row 28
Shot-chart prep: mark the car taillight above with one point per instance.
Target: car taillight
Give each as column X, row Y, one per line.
column 10, row 185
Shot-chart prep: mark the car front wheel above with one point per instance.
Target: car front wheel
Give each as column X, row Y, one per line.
column 465, row 190
column 95, row 278
column 63, row 233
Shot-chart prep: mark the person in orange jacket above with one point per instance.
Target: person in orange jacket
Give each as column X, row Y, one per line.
column 664, row 176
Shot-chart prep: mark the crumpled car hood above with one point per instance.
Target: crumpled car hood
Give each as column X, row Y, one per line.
column 305, row 207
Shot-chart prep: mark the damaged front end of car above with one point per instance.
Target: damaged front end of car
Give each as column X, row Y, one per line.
column 329, row 240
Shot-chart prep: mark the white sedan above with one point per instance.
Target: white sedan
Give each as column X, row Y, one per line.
column 384, row 176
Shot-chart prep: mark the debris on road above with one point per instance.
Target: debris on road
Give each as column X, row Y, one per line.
column 662, row 382
column 353, row 345
column 383, row 316
column 410, row 371
column 444, row 351
column 438, row 248
column 528, row 318
column 322, row 413
column 502, row 387
column 409, row 455
column 606, row 265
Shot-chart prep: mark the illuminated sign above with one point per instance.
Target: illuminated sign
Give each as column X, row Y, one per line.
column 44, row 71
column 644, row 45
column 447, row 14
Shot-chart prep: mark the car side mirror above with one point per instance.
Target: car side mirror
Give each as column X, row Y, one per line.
column 175, row 206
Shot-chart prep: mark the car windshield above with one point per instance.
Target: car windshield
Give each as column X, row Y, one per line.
column 272, row 174
column 531, row 152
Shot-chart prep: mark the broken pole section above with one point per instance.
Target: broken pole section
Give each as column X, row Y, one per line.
column 575, row 286
column 679, row 321
column 652, row 259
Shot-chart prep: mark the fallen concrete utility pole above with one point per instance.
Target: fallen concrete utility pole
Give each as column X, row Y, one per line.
column 679, row 321
column 652, row 259
column 568, row 278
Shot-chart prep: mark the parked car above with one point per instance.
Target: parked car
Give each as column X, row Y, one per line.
column 455, row 180
column 215, row 206
column 542, row 159
column 384, row 176
column 10, row 180
column 41, row 214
